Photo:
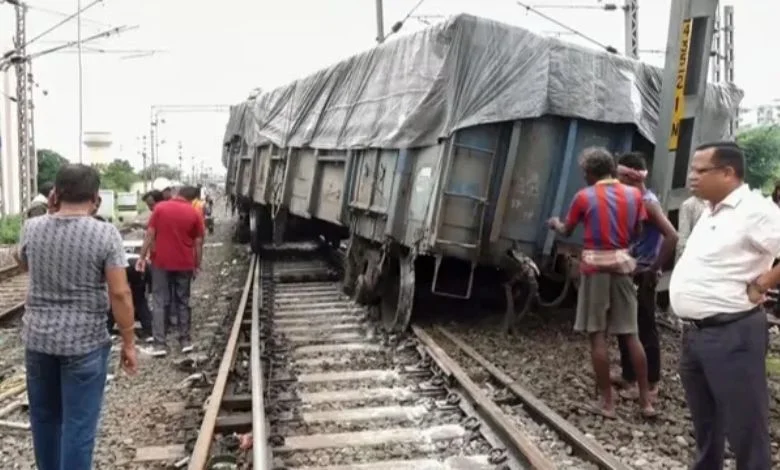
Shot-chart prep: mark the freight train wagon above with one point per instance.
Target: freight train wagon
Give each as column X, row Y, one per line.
column 440, row 155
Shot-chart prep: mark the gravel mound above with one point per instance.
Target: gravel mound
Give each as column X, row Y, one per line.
column 554, row 363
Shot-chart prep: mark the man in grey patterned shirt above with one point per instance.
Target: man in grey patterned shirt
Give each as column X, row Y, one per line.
column 71, row 257
column 690, row 211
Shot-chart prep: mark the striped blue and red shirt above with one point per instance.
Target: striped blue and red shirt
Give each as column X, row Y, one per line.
column 610, row 213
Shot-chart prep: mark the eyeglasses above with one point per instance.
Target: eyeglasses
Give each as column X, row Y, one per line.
column 701, row 171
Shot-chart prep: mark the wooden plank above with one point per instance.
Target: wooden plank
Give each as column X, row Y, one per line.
column 160, row 453
column 240, row 422
column 537, row 407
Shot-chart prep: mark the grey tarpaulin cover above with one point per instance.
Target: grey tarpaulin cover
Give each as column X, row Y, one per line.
column 467, row 71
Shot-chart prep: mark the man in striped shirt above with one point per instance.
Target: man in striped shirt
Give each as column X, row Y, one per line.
column 611, row 214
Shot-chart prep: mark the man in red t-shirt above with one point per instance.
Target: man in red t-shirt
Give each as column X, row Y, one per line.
column 176, row 231
column 611, row 214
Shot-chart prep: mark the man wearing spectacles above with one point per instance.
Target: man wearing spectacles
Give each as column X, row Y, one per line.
column 716, row 289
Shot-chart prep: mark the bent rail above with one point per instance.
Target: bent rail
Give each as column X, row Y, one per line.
column 200, row 453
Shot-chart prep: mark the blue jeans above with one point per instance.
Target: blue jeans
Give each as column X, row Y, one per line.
column 66, row 395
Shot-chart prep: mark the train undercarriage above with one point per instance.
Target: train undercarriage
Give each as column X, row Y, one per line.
column 396, row 281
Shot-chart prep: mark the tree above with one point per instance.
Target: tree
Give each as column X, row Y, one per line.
column 160, row 170
column 117, row 175
column 762, row 155
column 49, row 163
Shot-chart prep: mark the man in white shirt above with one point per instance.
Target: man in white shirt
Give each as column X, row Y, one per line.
column 716, row 289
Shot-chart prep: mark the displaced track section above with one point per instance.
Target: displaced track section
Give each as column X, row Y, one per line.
column 308, row 369
column 13, row 289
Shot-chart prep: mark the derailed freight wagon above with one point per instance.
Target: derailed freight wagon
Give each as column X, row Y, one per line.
column 441, row 154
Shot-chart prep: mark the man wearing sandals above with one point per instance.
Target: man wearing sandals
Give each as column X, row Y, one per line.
column 652, row 249
column 716, row 289
column 611, row 214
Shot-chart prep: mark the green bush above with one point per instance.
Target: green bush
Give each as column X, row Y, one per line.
column 10, row 226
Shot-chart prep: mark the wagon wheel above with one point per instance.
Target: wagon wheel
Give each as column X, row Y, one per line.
column 397, row 286
column 254, row 230
column 351, row 266
column 521, row 289
column 368, row 283
column 520, row 294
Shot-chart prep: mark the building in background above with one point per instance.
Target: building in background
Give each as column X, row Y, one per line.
column 9, row 145
column 767, row 114
column 98, row 148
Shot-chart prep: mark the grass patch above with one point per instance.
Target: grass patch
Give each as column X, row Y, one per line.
column 773, row 365
column 10, row 226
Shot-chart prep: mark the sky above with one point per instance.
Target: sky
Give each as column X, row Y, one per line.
column 216, row 52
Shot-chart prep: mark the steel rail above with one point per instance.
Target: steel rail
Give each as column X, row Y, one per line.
column 200, row 453
column 261, row 455
column 7, row 272
column 523, row 447
column 12, row 311
column 538, row 409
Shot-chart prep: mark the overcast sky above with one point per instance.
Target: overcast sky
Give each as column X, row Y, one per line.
column 215, row 52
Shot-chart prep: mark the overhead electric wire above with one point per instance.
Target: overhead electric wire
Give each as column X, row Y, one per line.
column 64, row 14
column 567, row 27
column 65, row 20
column 110, row 32
column 399, row 24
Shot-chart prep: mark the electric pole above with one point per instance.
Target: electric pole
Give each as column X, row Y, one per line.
column 728, row 57
column 716, row 56
column 181, row 162
column 28, row 163
column 143, row 160
column 380, row 22
column 630, row 11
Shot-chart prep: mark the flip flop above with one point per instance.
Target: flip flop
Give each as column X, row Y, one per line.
column 618, row 381
column 647, row 414
column 598, row 410
column 629, row 393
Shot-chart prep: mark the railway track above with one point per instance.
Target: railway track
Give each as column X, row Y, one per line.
column 307, row 369
column 13, row 289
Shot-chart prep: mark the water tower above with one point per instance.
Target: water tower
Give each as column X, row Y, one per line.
column 98, row 146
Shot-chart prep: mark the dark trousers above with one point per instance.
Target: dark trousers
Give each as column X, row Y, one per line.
column 171, row 288
column 648, row 330
column 723, row 371
column 66, row 395
column 137, row 283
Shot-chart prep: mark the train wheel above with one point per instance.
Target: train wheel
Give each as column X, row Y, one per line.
column 520, row 295
column 254, row 230
column 397, row 293
column 368, row 286
column 352, row 265
column 521, row 290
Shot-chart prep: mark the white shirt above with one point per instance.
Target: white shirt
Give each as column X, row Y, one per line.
column 730, row 246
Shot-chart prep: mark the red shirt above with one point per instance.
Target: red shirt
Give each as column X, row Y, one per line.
column 177, row 225
column 610, row 213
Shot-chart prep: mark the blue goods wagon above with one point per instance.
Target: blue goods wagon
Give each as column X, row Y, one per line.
column 440, row 155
